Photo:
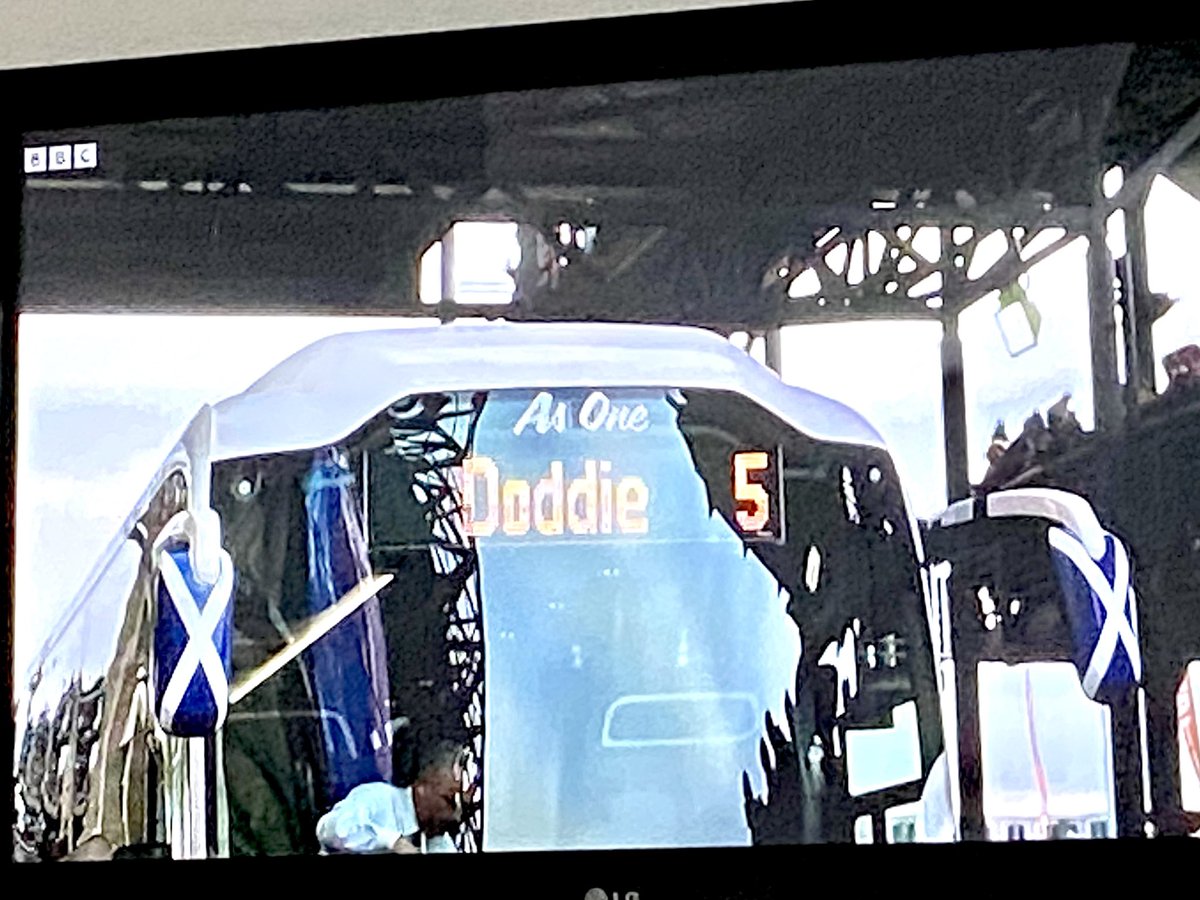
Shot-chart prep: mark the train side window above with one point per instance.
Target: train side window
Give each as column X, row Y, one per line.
column 900, row 825
column 880, row 758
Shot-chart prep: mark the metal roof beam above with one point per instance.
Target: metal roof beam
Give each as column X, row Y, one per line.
column 1003, row 274
column 1138, row 182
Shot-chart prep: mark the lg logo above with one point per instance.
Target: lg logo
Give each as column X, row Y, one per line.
column 601, row 894
column 60, row 158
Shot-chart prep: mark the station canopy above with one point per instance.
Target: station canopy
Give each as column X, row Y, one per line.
column 698, row 188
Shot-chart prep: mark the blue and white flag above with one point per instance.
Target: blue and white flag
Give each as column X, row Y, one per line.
column 193, row 637
column 1102, row 611
column 347, row 668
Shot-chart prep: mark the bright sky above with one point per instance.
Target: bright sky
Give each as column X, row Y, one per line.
column 101, row 401
column 1172, row 223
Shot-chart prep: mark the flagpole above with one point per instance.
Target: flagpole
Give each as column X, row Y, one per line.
column 1039, row 771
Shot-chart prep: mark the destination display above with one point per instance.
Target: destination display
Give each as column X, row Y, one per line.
column 596, row 502
column 582, row 463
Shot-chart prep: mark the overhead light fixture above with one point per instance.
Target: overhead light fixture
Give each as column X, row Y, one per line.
column 73, row 184
column 1019, row 320
column 321, row 188
column 392, row 190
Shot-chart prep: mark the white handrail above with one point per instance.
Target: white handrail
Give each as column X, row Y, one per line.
column 1064, row 508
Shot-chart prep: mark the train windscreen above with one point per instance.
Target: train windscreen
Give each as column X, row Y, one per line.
column 643, row 611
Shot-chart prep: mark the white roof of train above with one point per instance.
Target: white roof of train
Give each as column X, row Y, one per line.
column 323, row 393
column 329, row 389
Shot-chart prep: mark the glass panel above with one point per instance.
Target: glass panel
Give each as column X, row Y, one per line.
column 652, row 685
column 1047, row 754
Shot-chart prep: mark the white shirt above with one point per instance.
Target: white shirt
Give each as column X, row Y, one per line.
column 372, row 817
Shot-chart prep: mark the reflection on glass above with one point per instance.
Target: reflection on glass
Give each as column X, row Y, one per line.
column 638, row 675
column 634, row 637
column 881, row 757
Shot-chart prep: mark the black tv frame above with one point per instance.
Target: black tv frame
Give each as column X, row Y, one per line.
column 631, row 48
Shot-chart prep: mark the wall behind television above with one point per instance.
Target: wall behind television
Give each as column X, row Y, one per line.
column 47, row 32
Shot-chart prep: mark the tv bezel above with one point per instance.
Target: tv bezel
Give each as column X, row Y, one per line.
column 675, row 44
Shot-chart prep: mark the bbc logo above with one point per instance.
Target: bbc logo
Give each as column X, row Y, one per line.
column 60, row 158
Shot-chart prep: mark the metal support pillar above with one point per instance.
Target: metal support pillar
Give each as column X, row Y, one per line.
column 1142, row 313
column 1127, row 301
column 1106, row 388
column 879, row 829
column 773, row 346
column 448, row 265
column 446, row 309
column 1163, row 677
column 1127, row 766
column 954, row 411
column 219, row 842
column 972, row 826
column 187, row 797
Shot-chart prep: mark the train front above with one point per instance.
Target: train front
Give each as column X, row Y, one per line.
column 656, row 616
column 665, row 574
column 633, row 645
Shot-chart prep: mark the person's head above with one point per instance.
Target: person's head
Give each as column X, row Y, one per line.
column 437, row 791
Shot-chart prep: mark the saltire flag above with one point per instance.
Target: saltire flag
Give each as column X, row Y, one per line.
column 347, row 667
column 193, row 642
column 1102, row 612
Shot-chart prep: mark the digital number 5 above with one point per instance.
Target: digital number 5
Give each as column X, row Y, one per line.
column 744, row 490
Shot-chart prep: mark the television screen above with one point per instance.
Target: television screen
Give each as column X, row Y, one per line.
column 798, row 454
